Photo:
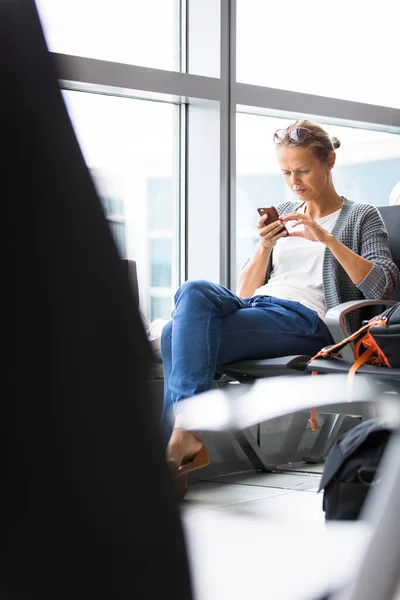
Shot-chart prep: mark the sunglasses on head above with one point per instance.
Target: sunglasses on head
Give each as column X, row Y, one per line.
column 296, row 135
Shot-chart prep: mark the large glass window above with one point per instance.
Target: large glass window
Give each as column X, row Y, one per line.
column 366, row 170
column 140, row 32
column 341, row 50
column 131, row 148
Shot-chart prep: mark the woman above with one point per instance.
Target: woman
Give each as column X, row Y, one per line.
column 333, row 250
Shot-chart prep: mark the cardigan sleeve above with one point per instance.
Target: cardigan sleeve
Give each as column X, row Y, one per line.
column 383, row 277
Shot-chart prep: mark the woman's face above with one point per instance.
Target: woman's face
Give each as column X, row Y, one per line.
column 304, row 173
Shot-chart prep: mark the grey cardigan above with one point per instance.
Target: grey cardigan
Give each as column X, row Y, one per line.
column 360, row 228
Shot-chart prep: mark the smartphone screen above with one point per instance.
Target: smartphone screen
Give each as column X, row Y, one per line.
column 272, row 213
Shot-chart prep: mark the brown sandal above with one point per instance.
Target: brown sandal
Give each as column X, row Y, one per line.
column 181, row 473
column 197, row 461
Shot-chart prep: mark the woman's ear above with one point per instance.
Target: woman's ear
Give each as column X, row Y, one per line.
column 330, row 163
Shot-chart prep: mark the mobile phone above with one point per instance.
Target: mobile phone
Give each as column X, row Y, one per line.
column 273, row 215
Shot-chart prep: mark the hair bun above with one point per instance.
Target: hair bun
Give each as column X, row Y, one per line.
column 335, row 142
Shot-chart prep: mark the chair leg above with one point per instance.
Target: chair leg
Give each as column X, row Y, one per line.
column 252, row 450
column 293, row 438
column 252, row 447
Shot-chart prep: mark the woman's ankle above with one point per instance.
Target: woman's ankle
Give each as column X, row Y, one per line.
column 179, row 424
column 182, row 445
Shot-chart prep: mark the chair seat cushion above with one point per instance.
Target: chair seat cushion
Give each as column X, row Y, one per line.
column 266, row 367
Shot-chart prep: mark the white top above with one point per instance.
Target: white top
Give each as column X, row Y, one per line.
column 297, row 268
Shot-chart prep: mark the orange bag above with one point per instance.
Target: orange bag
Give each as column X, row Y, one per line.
column 366, row 351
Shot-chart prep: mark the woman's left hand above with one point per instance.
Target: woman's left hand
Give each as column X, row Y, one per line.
column 311, row 230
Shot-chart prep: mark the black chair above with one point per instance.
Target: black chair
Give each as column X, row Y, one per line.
column 247, row 371
column 389, row 379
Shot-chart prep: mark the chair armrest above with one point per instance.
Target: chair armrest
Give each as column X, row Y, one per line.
column 237, row 407
column 334, row 319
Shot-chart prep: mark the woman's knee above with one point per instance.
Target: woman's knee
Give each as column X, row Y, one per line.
column 193, row 288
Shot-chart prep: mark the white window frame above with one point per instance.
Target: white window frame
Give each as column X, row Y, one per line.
column 209, row 103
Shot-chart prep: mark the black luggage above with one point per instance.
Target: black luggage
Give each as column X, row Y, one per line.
column 351, row 468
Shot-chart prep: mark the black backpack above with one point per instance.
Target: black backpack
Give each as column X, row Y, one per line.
column 388, row 336
column 351, row 468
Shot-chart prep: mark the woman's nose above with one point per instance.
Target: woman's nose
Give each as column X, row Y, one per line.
column 295, row 179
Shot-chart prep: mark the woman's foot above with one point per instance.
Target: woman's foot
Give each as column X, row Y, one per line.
column 182, row 447
column 185, row 452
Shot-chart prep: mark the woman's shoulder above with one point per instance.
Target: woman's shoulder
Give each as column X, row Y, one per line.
column 360, row 210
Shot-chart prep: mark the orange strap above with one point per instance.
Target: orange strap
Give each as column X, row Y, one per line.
column 360, row 361
column 356, row 337
column 331, row 351
column 313, row 419
column 366, row 350
column 313, row 413
column 353, row 370
column 366, row 342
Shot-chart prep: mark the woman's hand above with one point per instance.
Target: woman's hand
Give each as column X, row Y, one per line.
column 270, row 233
column 252, row 276
column 311, row 230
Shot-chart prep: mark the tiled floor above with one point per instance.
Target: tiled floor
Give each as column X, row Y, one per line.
column 263, row 535
column 284, row 496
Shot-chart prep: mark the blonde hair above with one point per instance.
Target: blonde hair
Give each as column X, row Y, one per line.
column 318, row 140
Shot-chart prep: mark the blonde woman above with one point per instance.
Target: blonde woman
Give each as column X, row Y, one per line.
column 333, row 250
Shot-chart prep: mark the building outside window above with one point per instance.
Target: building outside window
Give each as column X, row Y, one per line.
column 130, row 146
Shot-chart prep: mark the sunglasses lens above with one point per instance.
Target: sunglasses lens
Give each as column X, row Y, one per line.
column 279, row 135
column 298, row 134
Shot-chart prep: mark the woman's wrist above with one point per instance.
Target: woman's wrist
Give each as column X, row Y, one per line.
column 329, row 240
column 263, row 251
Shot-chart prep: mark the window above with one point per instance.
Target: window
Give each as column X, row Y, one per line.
column 366, row 170
column 160, row 308
column 144, row 33
column 131, row 148
column 342, row 50
column 163, row 161
column 160, row 260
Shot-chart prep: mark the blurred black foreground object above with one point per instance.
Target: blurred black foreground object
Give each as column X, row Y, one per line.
column 353, row 560
column 88, row 505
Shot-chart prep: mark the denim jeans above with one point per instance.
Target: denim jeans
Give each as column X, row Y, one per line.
column 212, row 326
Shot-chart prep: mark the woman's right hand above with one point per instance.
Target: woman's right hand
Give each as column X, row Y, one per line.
column 270, row 233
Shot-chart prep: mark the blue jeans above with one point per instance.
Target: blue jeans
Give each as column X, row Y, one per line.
column 212, row 326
